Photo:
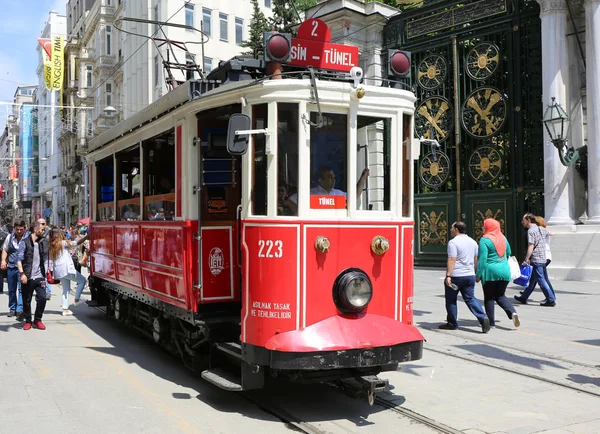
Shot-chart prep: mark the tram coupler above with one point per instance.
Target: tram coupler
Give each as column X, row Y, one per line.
column 372, row 384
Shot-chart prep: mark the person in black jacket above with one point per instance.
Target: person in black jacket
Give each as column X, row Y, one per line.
column 32, row 270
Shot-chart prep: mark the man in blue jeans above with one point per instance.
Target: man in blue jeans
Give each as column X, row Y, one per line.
column 460, row 277
column 10, row 253
column 536, row 252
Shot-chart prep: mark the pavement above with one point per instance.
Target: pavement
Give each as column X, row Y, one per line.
column 542, row 377
column 86, row 374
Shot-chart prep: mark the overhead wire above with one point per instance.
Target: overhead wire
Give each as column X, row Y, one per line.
column 186, row 2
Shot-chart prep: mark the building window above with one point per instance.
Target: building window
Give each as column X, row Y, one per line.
column 189, row 15
column 155, row 71
column 189, row 57
column 239, row 31
column 223, row 27
column 108, row 40
column 108, row 91
column 88, row 76
column 207, row 64
column 108, row 2
column 267, row 3
column 206, row 21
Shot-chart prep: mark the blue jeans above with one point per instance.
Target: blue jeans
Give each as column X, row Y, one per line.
column 533, row 281
column 466, row 286
column 66, row 285
column 15, row 298
column 539, row 275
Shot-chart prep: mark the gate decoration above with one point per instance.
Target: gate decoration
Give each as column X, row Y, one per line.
column 482, row 61
column 434, row 113
column 485, row 164
column 432, row 72
column 477, row 75
column 484, row 112
column 434, row 169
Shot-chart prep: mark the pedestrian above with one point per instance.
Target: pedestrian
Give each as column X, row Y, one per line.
column 64, row 269
column 10, row 253
column 460, row 277
column 536, row 254
column 494, row 272
column 32, row 271
column 539, row 220
column 4, row 233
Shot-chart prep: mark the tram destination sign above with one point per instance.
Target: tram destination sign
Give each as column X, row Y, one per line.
column 454, row 16
column 313, row 48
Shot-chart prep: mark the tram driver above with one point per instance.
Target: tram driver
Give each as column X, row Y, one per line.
column 326, row 186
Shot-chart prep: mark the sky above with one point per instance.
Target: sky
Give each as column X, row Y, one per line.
column 21, row 23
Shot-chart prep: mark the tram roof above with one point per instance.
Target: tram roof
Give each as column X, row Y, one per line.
column 188, row 91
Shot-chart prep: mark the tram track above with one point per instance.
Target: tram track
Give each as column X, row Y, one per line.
column 348, row 389
column 513, row 371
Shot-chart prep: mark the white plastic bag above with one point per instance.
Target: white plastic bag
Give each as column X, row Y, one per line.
column 515, row 270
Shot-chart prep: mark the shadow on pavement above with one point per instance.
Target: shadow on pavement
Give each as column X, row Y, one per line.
column 595, row 342
column 421, row 312
column 500, row 354
column 584, row 379
column 463, row 326
column 310, row 402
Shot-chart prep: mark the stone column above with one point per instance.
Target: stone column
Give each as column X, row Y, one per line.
column 592, row 48
column 555, row 77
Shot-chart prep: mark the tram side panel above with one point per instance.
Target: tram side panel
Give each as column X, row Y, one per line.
column 154, row 259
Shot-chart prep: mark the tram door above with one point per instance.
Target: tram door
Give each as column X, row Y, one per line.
column 219, row 179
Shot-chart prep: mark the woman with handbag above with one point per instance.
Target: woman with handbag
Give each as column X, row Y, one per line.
column 63, row 267
column 494, row 272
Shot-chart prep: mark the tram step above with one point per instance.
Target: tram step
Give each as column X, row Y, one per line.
column 232, row 348
column 223, row 379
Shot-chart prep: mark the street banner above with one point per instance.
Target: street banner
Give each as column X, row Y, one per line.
column 47, row 57
column 57, row 59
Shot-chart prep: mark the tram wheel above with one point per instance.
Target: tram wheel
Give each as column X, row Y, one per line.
column 120, row 309
column 157, row 330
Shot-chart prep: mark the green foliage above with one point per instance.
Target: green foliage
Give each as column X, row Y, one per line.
column 258, row 25
column 285, row 15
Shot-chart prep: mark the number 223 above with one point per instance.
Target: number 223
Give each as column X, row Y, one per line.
column 270, row 249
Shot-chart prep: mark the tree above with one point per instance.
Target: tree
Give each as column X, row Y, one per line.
column 285, row 16
column 258, row 25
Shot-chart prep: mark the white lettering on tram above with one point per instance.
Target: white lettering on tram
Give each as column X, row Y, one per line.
column 327, row 201
column 335, row 57
column 261, row 309
column 270, row 249
column 298, row 52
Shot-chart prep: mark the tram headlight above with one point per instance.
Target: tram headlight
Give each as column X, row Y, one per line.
column 352, row 290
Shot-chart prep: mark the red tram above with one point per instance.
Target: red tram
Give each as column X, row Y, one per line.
column 262, row 223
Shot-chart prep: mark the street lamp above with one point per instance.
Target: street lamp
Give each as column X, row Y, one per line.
column 109, row 110
column 557, row 122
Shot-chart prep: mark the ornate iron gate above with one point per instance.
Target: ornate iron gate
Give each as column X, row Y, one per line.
column 478, row 78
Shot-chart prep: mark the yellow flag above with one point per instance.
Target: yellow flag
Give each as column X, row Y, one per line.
column 47, row 70
column 58, row 47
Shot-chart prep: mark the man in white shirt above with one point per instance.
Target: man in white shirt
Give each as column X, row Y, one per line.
column 460, row 277
column 325, row 186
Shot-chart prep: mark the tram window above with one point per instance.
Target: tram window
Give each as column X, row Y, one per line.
column 328, row 161
column 129, row 184
column 106, row 189
column 259, row 167
column 159, row 177
column 406, row 165
column 287, row 159
column 373, row 163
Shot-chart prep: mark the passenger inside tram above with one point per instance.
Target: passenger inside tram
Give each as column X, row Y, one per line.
column 326, row 185
column 159, row 177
